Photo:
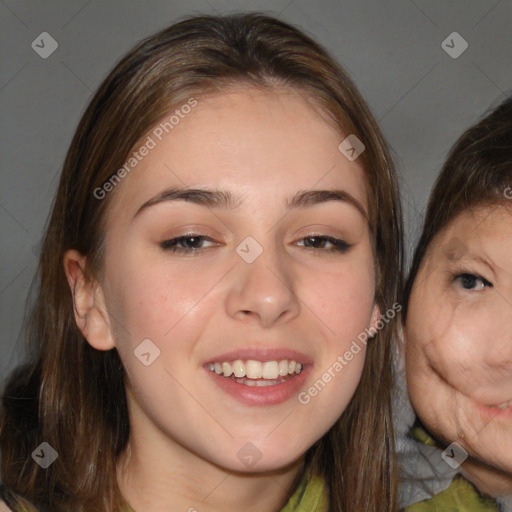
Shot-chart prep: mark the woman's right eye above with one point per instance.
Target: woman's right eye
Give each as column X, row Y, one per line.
column 191, row 244
column 469, row 281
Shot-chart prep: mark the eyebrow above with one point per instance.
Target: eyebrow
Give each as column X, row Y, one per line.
column 225, row 199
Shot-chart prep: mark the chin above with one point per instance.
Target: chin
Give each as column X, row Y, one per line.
column 244, row 456
column 250, row 460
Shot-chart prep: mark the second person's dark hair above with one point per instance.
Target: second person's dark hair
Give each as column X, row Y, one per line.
column 477, row 172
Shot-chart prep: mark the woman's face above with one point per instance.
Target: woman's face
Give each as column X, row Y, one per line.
column 237, row 276
column 459, row 336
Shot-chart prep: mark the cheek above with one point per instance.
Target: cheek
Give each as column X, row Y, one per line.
column 423, row 384
column 428, row 332
column 455, row 346
column 342, row 299
column 150, row 303
column 443, row 360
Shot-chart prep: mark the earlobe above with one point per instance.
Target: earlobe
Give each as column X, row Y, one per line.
column 89, row 305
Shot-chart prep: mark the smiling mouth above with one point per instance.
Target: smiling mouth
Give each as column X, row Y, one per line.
column 257, row 373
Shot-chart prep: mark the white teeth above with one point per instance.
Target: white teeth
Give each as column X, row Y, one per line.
column 253, row 369
column 238, row 368
column 258, row 383
column 269, row 370
column 283, row 368
column 226, row 369
column 247, row 382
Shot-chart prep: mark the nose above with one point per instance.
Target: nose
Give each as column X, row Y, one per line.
column 264, row 290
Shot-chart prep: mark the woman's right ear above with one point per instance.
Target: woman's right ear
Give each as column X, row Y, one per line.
column 89, row 305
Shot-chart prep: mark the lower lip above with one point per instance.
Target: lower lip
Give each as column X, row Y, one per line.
column 265, row 395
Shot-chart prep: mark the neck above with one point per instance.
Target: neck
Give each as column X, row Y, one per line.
column 155, row 486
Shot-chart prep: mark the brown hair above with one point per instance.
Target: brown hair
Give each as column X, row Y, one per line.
column 60, row 397
column 477, row 172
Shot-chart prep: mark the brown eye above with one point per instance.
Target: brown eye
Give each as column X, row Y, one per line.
column 318, row 243
column 187, row 243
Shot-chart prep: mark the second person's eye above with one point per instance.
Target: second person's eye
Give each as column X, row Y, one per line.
column 469, row 281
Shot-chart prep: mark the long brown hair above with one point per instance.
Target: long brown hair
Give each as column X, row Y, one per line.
column 71, row 395
column 477, row 172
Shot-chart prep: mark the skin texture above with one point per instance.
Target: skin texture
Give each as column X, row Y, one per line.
column 459, row 342
column 186, row 431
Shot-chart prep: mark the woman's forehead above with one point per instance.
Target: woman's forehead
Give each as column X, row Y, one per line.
column 265, row 144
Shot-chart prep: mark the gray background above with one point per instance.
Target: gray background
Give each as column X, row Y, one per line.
column 422, row 97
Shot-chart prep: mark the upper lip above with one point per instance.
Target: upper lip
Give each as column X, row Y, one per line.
column 261, row 354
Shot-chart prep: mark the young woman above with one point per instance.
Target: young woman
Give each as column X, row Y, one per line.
column 459, row 319
column 224, row 235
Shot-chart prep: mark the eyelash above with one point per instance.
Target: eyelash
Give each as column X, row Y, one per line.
column 170, row 245
column 468, row 275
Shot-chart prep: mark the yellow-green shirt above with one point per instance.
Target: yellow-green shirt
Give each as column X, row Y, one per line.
column 310, row 496
column 460, row 496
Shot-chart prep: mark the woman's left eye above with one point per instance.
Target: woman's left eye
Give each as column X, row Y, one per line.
column 315, row 241
column 469, row 281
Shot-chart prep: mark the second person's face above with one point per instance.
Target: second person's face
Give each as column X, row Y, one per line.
column 459, row 336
